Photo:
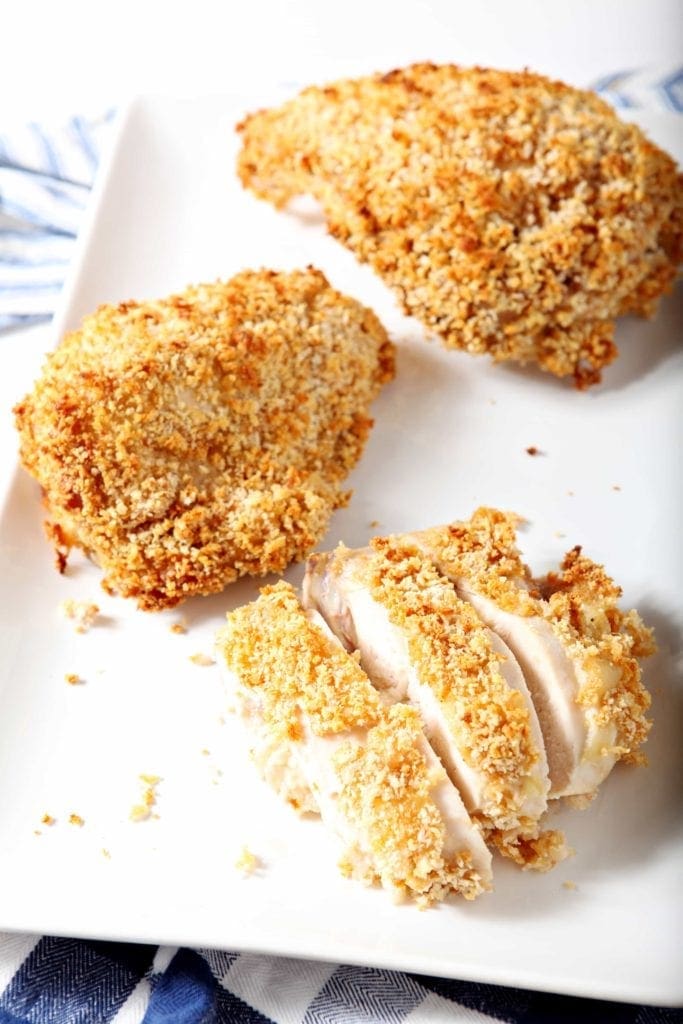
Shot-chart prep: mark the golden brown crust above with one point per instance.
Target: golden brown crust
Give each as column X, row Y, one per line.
column 452, row 654
column 581, row 605
column 512, row 214
column 385, row 790
column 300, row 679
column 194, row 439
column 292, row 667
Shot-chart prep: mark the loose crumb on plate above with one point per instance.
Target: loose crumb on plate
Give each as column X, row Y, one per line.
column 106, row 854
column 568, row 884
column 533, row 450
column 76, row 819
column 83, row 613
column 143, row 810
column 374, row 523
column 73, row 679
column 178, row 627
column 247, row 862
column 47, row 819
column 201, row 659
column 616, row 487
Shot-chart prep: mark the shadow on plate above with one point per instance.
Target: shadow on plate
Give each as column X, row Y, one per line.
column 644, row 345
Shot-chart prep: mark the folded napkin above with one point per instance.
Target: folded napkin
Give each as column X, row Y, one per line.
column 46, row 173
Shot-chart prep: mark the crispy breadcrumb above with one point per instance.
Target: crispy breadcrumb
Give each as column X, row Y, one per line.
column 511, row 214
column 76, row 819
column 143, row 810
column 47, row 819
column 202, row 659
column 247, row 862
column 581, row 605
column 191, row 440
column 83, row 613
column 72, row 679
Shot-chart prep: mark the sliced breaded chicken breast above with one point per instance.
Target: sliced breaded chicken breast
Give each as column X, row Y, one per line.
column 367, row 769
column 511, row 214
column 191, row 440
column 420, row 643
column 577, row 649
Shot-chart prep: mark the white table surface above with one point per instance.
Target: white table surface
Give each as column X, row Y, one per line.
column 76, row 55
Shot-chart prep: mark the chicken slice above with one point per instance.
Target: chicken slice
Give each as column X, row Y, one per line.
column 577, row 649
column 326, row 742
column 420, row 643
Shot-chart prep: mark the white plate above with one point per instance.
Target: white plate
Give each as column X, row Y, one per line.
column 451, row 434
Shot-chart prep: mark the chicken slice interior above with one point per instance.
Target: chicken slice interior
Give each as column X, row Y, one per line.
column 420, row 643
column 577, row 650
column 326, row 741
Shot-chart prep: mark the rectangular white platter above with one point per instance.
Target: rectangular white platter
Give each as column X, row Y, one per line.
column 450, row 434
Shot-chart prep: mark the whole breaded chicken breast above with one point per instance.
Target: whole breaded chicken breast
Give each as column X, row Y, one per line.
column 512, row 214
column 191, row 440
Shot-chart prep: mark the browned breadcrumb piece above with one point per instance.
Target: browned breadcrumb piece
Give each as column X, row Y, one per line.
column 202, row 659
column 533, row 450
column 451, row 650
column 581, row 605
column 337, row 697
column 616, row 487
column 247, row 862
column 204, row 752
column 537, row 851
column 72, row 679
column 188, row 441
column 581, row 801
column 76, row 819
column 178, row 627
column 143, row 810
column 385, row 789
column 511, row 214
column 374, row 523
column 568, row 884
column 83, row 613
column 47, row 819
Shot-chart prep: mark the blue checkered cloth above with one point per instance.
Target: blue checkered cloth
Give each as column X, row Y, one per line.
column 46, row 173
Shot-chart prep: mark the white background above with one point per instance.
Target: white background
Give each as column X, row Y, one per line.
column 77, row 56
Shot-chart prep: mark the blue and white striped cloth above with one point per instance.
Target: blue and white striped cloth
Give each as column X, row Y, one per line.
column 46, row 173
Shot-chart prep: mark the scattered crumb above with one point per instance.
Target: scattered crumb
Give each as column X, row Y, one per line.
column 73, row 679
column 106, row 854
column 558, row 533
column 47, row 819
column 83, row 613
column 570, row 494
column 205, row 752
column 582, row 801
column 569, row 885
column 143, row 810
column 247, row 862
column 533, row 450
column 75, row 819
column 374, row 523
column 37, row 832
column 178, row 627
column 201, row 659
column 616, row 487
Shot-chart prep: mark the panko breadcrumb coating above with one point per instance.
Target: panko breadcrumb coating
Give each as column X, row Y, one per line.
column 187, row 441
column 512, row 214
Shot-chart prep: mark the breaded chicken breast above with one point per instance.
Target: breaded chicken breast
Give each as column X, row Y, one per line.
column 187, row 441
column 512, row 214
